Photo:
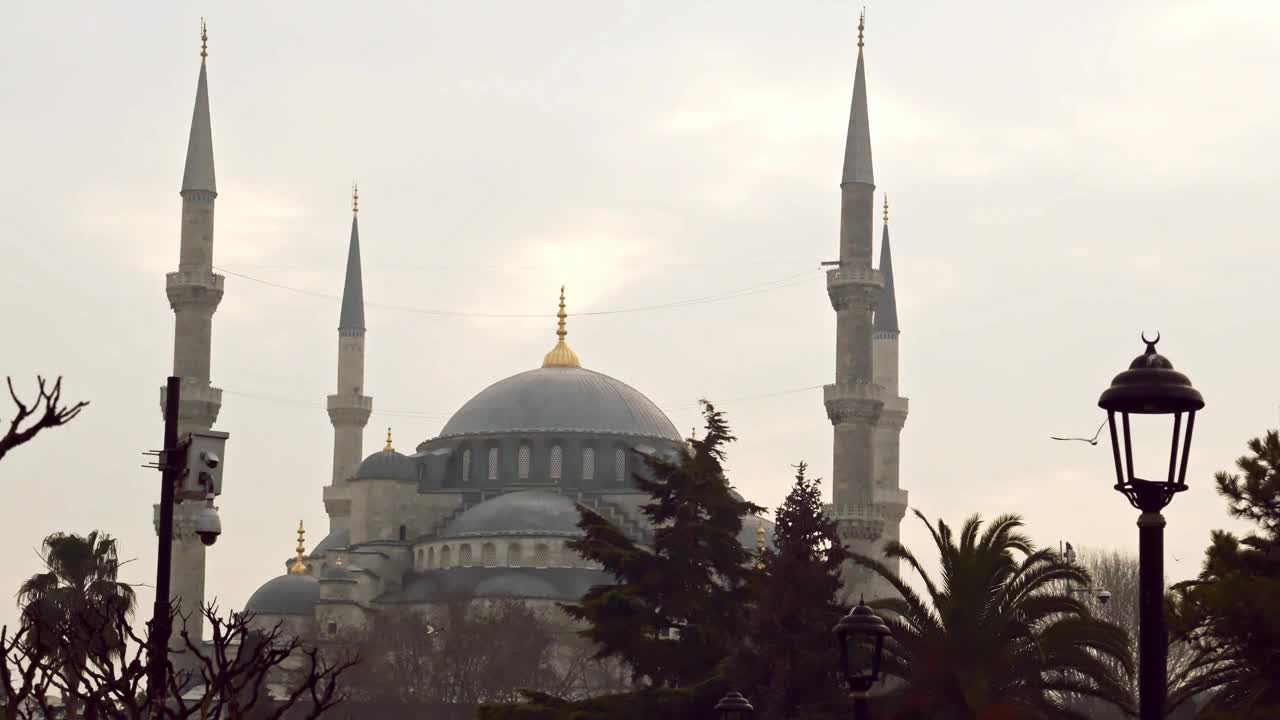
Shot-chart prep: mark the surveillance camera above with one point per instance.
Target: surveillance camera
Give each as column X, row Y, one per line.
column 210, row 458
column 208, row 524
column 1104, row 596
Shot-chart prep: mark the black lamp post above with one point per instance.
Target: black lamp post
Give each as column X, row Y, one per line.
column 1151, row 387
column 734, row 707
column 860, row 632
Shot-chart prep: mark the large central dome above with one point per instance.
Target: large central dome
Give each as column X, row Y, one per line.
column 561, row 399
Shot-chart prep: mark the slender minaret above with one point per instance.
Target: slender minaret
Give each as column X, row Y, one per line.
column 349, row 408
column 890, row 497
column 194, row 292
column 854, row 401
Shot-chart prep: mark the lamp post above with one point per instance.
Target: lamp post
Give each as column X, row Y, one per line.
column 857, row 633
column 734, row 707
column 1151, row 387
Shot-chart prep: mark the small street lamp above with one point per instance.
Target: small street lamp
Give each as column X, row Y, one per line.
column 734, row 707
column 860, row 632
column 1151, row 387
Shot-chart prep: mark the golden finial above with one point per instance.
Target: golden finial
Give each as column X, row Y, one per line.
column 388, row 448
column 204, row 40
column 299, row 567
column 355, row 198
column 886, row 208
column 862, row 25
column 561, row 355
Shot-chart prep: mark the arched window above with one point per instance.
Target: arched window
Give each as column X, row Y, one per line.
column 446, row 557
column 514, row 553
column 493, row 463
column 588, row 463
column 431, row 558
column 419, row 562
column 541, row 555
column 522, row 463
column 466, row 465
column 464, row 556
column 619, row 465
column 557, row 463
column 489, row 555
column 567, row 556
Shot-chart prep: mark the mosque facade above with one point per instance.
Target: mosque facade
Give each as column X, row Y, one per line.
column 488, row 506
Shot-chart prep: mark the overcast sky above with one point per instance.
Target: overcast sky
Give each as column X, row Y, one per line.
column 1062, row 176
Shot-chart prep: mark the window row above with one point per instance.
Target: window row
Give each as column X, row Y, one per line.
column 516, row 555
column 524, row 457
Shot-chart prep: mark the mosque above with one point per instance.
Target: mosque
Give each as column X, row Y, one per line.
column 487, row 507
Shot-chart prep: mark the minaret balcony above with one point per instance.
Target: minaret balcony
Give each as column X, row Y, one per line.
column 857, row 522
column 349, row 409
column 854, row 288
column 892, row 503
column 853, row 402
column 193, row 289
column 197, row 401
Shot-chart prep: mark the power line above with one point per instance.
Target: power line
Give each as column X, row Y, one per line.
column 430, row 415
column 519, row 266
column 777, row 284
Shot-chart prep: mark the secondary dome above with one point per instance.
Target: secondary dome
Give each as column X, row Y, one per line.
column 387, row 464
column 285, row 595
column 530, row 512
column 561, row 399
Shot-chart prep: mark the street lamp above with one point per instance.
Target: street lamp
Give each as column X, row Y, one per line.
column 1151, row 387
column 860, row 632
column 734, row 707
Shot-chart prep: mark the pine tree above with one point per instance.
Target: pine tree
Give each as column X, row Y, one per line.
column 677, row 608
column 1229, row 612
column 789, row 659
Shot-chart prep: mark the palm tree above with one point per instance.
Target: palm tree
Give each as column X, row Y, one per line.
column 997, row 635
column 72, row 610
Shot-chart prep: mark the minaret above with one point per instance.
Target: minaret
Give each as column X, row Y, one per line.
column 349, row 408
column 890, row 498
column 194, row 293
column 854, row 401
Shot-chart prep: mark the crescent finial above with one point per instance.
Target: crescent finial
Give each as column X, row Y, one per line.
column 1151, row 344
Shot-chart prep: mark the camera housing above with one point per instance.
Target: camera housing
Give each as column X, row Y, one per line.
column 1104, row 596
column 208, row 524
column 203, row 465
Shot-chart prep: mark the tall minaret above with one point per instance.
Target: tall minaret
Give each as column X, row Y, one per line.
column 854, row 401
column 349, row 408
column 890, row 497
column 194, row 292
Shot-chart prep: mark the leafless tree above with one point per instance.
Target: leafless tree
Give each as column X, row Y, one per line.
column 1116, row 572
column 234, row 676
column 46, row 412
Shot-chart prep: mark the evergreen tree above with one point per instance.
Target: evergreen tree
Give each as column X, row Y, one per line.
column 1229, row 613
column 677, row 608
column 789, row 659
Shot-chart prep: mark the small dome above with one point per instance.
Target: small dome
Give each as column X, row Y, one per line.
column 387, row 465
column 335, row 540
column 285, row 595
column 529, row 512
column 561, row 399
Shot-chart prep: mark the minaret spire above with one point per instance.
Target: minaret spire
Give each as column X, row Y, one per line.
column 886, row 319
column 198, row 174
column 351, row 317
column 857, row 145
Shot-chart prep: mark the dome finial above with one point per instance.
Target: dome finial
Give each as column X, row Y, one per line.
column 760, row 545
column 862, row 25
column 389, row 447
column 299, row 567
column 204, row 40
column 561, row 355
column 886, row 208
column 355, row 198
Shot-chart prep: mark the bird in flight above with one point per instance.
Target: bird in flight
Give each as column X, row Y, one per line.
column 1092, row 441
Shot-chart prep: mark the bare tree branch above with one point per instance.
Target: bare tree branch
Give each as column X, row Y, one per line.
column 47, row 412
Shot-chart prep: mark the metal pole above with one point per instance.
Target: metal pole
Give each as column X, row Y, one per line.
column 860, row 706
column 160, row 629
column 1152, row 641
